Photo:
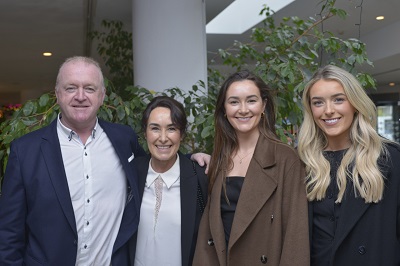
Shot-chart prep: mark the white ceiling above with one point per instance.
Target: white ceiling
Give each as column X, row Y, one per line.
column 29, row 28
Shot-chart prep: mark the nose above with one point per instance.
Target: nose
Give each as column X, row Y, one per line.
column 329, row 108
column 163, row 136
column 243, row 108
column 80, row 95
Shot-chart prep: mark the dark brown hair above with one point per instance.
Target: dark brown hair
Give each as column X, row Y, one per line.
column 178, row 115
column 225, row 141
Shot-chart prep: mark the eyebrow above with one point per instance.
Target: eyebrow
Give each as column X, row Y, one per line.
column 332, row 96
column 236, row 97
column 155, row 124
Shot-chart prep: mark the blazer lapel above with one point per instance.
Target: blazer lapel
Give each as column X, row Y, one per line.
column 188, row 190
column 215, row 221
column 130, row 217
column 51, row 151
column 351, row 211
column 258, row 187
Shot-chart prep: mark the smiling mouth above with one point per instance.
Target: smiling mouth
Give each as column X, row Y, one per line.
column 243, row 118
column 163, row 147
column 331, row 121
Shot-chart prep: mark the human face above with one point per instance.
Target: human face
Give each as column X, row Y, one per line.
column 163, row 139
column 80, row 94
column 332, row 112
column 244, row 106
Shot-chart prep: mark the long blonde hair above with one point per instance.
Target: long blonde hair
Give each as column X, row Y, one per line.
column 360, row 163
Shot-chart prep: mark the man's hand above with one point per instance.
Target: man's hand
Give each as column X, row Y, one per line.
column 202, row 159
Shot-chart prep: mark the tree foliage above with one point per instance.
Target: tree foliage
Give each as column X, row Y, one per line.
column 284, row 54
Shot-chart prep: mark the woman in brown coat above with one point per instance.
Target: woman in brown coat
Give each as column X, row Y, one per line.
column 257, row 210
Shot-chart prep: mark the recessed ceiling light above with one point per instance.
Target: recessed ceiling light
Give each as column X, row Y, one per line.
column 242, row 15
column 391, row 84
column 47, row 54
column 380, row 18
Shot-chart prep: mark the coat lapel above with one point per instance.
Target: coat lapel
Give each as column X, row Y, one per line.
column 188, row 190
column 351, row 211
column 258, row 187
column 215, row 221
column 130, row 217
column 51, row 151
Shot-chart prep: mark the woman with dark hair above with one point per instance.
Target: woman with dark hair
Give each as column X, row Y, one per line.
column 173, row 189
column 257, row 209
column 353, row 174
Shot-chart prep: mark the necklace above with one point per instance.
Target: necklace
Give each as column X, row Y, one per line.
column 241, row 158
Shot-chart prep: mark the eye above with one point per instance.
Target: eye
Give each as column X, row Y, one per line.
column 252, row 101
column 90, row 89
column 317, row 103
column 154, row 128
column 172, row 129
column 339, row 100
column 70, row 89
column 233, row 102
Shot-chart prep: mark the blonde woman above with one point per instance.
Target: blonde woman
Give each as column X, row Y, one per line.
column 257, row 210
column 353, row 175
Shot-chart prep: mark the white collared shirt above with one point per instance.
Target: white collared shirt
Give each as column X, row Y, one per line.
column 160, row 243
column 98, row 190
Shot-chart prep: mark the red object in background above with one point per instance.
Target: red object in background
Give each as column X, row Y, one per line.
column 7, row 110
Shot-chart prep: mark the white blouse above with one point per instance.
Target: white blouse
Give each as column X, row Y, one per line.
column 159, row 237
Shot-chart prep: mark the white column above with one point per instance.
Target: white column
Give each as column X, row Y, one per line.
column 169, row 43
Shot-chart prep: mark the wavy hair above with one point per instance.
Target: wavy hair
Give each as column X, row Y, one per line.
column 360, row 163
column 225, row 141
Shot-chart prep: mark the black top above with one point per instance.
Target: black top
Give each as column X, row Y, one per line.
column 326, row 215
column 233, row 187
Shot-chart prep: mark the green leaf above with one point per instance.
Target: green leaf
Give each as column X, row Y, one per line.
column 43, row 100
column 28, row 108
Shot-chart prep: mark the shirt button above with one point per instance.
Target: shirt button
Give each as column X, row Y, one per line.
column 85, row 246
column 330, row 196
column 88, row 200
column 87, row 223
column 332, row 218
column 87, row 176
column 85, row 154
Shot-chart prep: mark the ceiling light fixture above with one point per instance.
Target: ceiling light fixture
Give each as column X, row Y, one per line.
column 380, row 17
column 242, row 15
column 47, row 54
column 391, row 84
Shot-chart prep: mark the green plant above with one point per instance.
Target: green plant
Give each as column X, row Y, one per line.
column 115, row 48
column 284, row 55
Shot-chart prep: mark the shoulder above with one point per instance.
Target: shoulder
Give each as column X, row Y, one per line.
column 114, row 126
column 186, row 163
column 283, row 151
column 142, row 160
column 34, row 136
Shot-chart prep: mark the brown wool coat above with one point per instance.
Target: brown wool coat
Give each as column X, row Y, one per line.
column 270, row 226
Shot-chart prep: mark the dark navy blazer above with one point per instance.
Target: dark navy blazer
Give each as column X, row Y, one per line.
column 37, row 222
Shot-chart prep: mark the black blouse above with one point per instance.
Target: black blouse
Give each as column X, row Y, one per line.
column 233, row 187
column 326, row 215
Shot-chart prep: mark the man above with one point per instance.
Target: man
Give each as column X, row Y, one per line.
column 70, row 193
